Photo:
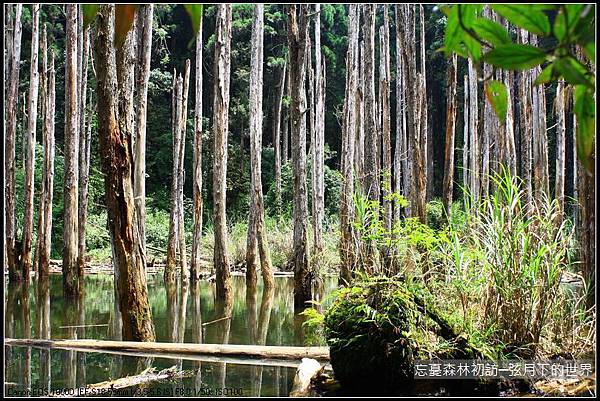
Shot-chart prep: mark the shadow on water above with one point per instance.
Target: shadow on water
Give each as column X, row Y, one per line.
column 182, row 313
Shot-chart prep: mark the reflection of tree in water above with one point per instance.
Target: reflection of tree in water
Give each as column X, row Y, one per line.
column 196, row 329
column 80, row 333
column 43, row 328
column 266, row 305
column 223, row 309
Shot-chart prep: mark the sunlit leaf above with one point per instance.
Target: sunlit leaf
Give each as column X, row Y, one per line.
column 195, row 13
column 548, row 74
column 89, row 13
column 496, row 93
column 573, row 72
column 585, row 110
column 525, row 16
column 491, row 32
column 515, row 56
column 124, row 16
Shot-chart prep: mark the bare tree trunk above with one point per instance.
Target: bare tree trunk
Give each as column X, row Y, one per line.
column 319, row 145
column 84, row 146
column 256, row 230
column 359, row 145
column 45, row 210
column 115, row 148
column 71, row 153
column 427, row 164
column 559, row 186
column 173, row 243
column 466, row 150
column 220, row 130
column 475, row 159
column 277, row 134
column 540, row 137
column 144, row 45
column 401, row 177
column 450, row 132
column 286, row 120
column 371, row 134
column 34, row 77
column 197, row 178
column 14, row 55
column 181, row 173
column 384, row 89
column 526, row 125
column 297, row 40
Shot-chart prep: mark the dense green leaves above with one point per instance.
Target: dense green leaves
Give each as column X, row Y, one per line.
column 497, row 95
column 526, row 16
column 491, row 32
column 585, row 110
column 573, row 71
column 515, row 56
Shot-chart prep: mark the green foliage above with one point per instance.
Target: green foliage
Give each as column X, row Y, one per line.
column 497, row 95
column 468, row 32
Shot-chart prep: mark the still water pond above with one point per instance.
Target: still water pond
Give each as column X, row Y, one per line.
column 187, row 314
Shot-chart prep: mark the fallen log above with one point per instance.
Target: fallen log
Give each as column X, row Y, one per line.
column 147, row 376
column 232, row 350
column 308, row 370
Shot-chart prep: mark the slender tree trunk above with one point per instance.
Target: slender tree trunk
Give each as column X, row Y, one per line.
column 256, row 230
column 540, row 137
column 197, row 178
column 359, row 145
column 427, row 162
column 277, row 134
column 220, row 130
column 286, row 120
column 348, row 252
column 84, row 147
column 144, row 45
column 14, row 55
column 181, row 172
column 71, row 153
column 559, row 186
column 475, row 159
column 384, row 88
column 466, row 150
column 526, row 125
column 371, row 134
column 450, row 132
column 297, row 40
column 45, row 210
column 115, row 148
column 319, row 145
column 173, row 242
column 34, row 77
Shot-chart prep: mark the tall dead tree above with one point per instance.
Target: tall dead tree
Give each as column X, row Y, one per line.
column 371, row 180
column 448, row 183
column 117, row 165
column 34, row 78
column 401, row 176
column 297, row 41
column 474, row 148
column 540, row 138
column 197, row 174
column 181, row 172
column 220, row 130
column 359, row 145
column 42, row 254
column 71, row 153
column 465, row 153
column 256, row 226
column 84, row 143
column 426, row 148
column 348, row 251
column 525, row 110
column 173, row 242
column 144, row 18
column 319, row 142
column 559, row 107
column 384, row 89
column 277, row 132
column 14, row 30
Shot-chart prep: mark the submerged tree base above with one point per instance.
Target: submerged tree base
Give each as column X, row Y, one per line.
column 379, row 327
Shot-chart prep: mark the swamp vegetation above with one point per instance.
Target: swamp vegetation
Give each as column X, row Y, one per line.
column 394, row 182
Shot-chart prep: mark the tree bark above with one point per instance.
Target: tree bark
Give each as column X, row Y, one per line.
column 45, row 210
column 197, row 178
column 319, row 145
column 474, row 173
column 559, row 186
column 450, row 132
column 277, row 133
column 14, row 55
column 526, row 125
column 181, row 172
column 371, row 135
column 297, row 41
column 256, row 230
column 34, row 77
column 220, row 130
column 384, row 89
column 71, row 153
column 144, row 45
column 466, row 150
column 348, row 252
column 115, row 149
column 84, row 147
column 427, row 162
column 173, row 242
column 540, row 137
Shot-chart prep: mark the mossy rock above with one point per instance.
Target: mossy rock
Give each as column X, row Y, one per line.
column 378, row 328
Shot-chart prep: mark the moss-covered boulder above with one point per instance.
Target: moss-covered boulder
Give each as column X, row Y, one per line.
column 379, row 327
